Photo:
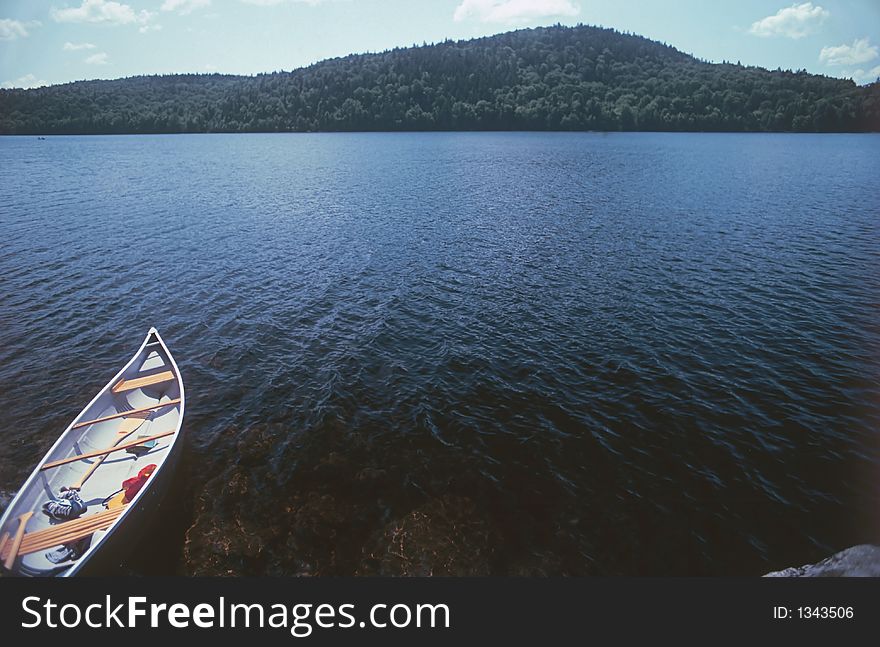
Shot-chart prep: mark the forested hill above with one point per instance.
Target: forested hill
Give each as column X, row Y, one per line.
column 555, row 78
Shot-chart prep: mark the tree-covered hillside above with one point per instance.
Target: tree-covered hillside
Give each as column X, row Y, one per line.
column 556, row 78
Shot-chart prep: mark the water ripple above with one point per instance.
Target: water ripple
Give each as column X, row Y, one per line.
column 585, row 354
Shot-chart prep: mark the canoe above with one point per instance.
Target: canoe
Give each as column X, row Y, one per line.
column 93, row 493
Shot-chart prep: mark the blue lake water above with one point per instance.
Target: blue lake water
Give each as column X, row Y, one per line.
column 474, row 353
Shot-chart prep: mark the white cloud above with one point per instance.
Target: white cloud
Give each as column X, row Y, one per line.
column 273, row 3
column 861, row 51
column 796, row 21
column 12, row 29
column 75, row 47
column 25, row 82
column 101, row 11
column 184, row 6
column 863, row 77
column 513, row 11
column 150, row 27
column 97, row 59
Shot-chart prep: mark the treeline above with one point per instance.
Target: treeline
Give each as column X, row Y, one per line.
column 555, row 78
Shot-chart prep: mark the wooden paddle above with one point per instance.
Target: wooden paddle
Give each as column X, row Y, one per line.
column 16, row 541
column 126, row 429
column 101, row 452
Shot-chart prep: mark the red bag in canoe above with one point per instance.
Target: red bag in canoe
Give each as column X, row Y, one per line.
column 133, row 485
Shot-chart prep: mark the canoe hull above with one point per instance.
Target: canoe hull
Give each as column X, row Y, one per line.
column 129, row 435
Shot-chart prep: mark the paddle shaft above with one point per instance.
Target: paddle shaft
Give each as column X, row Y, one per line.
column 125, row 433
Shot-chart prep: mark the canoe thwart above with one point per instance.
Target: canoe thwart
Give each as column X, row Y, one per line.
column 139, row 382
column 125, row 414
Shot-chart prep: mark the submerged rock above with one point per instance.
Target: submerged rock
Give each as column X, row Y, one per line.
column 277, row 504
column 858, row 561
column 232, row 526
column 444, row 537
column 258, row 516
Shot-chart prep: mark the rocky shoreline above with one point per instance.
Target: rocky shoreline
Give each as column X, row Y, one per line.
column 858, row 561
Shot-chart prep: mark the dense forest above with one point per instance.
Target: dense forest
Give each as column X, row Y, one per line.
column 555, row 78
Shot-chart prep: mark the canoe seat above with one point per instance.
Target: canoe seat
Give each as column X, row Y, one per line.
column 139, row 382
column 64, row 533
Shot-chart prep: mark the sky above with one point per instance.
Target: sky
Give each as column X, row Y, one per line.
column 45, row 42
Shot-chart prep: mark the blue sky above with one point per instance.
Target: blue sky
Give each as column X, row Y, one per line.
column 55, row 41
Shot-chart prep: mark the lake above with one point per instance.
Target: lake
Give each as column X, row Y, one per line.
column 473, row 353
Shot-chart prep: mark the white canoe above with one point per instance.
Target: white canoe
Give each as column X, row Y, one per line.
column 134, row 422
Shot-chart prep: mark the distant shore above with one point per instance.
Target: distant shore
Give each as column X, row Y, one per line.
column 546, row 79
column 43, row 135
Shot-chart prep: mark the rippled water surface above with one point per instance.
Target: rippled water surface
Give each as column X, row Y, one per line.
column 465, row 353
